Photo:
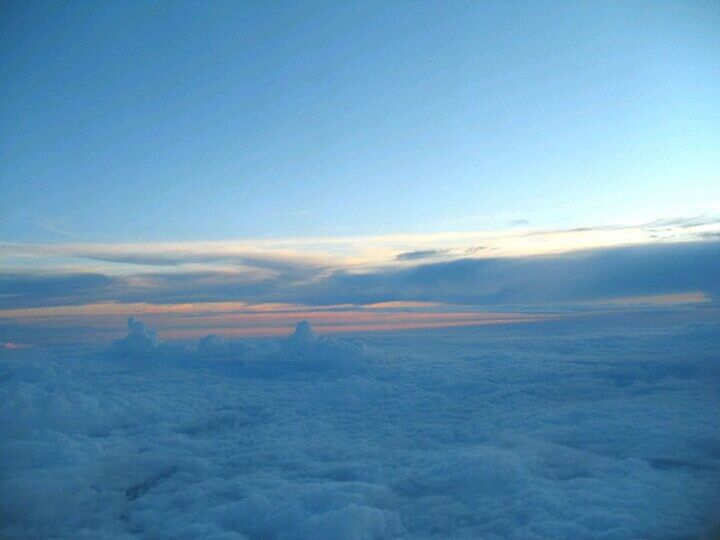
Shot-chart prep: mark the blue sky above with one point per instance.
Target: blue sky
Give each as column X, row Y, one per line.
column 193, row 121
column 293, row 153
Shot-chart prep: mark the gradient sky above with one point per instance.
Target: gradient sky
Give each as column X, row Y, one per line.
column 173, row 152
column 218, row 120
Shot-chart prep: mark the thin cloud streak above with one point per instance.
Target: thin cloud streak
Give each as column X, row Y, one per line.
column 360, row 253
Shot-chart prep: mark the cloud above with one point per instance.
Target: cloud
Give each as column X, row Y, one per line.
column 568, row 278
column 302, row 352
column 684, row 222
column 213, row 346
column 518, row 222
column 611, row 432
column 305, row 345
column 422, row 254
column 305, row 354
column 580, row 276
column 48, row 289
column 41, row 289
column 142, row 342
column 285, row 265
column 73, row 324
column 358, row 252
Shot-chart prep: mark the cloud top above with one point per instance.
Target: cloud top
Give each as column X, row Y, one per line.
column 494, row 434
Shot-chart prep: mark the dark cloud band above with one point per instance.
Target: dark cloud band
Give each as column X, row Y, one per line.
column 589, row 275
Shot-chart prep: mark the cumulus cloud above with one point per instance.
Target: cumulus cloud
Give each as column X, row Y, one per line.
column 496, row 433
column 306, row 354
column 212, row 346
column 142, row 342
column 305, row 343
column 302, row 354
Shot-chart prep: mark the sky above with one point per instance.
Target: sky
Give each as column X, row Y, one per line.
column 425, row 157
column 359, row 270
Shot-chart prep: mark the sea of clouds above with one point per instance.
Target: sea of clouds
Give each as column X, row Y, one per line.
column 477, row 433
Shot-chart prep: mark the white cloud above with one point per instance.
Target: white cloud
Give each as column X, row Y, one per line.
column 491, row 433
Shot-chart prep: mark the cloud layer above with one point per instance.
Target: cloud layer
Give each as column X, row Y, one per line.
column 493, row 434
column 601, row 274
column 575, row 277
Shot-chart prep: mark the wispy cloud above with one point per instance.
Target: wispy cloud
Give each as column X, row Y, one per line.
column 356, row 252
